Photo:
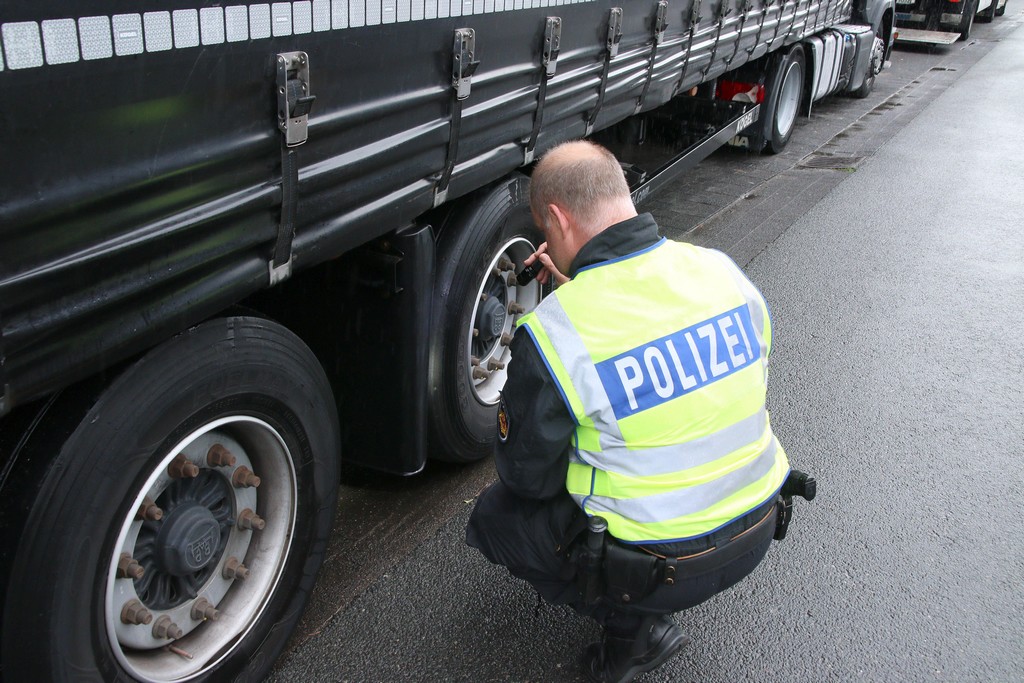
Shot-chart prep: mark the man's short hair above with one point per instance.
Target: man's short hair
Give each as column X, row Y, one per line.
column 579, row 176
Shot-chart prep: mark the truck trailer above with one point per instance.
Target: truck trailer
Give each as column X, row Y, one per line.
column 241, row 244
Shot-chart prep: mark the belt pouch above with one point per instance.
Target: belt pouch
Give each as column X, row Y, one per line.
column 629, row 575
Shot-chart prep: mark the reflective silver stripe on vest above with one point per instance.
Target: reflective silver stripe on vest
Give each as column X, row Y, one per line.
column 647, row 462
column 753, row 298
column 570, row 349
column 689, row 500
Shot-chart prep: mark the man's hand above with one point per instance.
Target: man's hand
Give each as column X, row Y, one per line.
column 549, row 270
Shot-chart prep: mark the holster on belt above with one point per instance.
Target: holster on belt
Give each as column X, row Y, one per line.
column 630, row 575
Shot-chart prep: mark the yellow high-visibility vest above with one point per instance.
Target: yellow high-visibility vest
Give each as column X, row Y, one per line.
column 661, row 357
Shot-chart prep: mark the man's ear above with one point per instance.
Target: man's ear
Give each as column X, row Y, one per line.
column 561, row 220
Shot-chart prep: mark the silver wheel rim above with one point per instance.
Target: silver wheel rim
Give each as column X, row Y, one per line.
column 789, row 100
column 156, row 656
column 877, row 56
column 500, row 302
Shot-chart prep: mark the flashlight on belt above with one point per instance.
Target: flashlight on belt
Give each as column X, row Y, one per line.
column 593, row 559
column 528, row 273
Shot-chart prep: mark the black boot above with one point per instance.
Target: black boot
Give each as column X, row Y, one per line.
column 620, row 656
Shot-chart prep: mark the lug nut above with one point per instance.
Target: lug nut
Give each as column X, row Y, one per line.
column 134, row 612
column 247, row 519
column 474, row 361
column 515, row 308
column 479, row 373
column 218, row 456
column 233, row 569
column 476, row 332
column 203, row 610
column 149, row 511
column 511, row 280
column 165, row 628
column 506, row 338
column 493, row 365
column 182, row 468
column 129, row 568
column 243, row 477
column 505, row 264
column 483, row 296
column 496, row 273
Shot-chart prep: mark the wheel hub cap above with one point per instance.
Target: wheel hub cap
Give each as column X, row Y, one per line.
column 490, row 319
column 189, row 539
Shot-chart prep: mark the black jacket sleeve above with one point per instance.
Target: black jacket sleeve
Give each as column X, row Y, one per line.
column 533, row 459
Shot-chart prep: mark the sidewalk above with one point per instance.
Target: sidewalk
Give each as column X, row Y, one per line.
column 898, row 305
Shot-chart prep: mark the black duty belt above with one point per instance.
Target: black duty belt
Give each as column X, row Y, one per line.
column 608, row 570
column 715, row 558
column 631, row 574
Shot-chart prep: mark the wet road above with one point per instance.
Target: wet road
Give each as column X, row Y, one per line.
column 896, row 280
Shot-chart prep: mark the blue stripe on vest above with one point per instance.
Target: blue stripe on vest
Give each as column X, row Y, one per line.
column 663, row 369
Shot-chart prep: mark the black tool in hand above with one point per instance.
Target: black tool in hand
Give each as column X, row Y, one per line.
column 528, row 273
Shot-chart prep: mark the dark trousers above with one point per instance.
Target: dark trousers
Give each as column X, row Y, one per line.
column 524, row 535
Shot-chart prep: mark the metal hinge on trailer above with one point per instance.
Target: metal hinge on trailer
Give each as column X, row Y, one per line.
column 614, row 32
column 293, row 96
column 552, row 42
column 294, row 101
column 611, row 51
column 549, row 63
column 694, row 17
column 723, row 11
column 744, row 8
column 660, row 24
column 765, row 5
column 464, row 65
column 694, row 20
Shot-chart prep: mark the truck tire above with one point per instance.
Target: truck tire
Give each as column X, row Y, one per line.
column 159, row 472
column 967, row 19
column 874, row 67
column 1000, row 11
column 990, row 13
column 783, row 102
column 471, row 319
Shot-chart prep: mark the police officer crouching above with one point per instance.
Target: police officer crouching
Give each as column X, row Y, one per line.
column 639, row 474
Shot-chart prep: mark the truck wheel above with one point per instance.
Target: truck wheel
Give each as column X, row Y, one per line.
column 967, row 19
column 990, row 13
column 177, row 534
column 476, row 304
column 1001, row 10
column 784, row 100
column 874, row 67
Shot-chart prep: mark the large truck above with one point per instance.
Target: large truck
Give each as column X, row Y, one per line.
column 241, row 244
column 942, row 22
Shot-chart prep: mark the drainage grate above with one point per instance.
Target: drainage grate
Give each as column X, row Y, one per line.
column 824, row 161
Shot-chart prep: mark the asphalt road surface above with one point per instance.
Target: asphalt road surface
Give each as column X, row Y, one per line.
column 888, row 239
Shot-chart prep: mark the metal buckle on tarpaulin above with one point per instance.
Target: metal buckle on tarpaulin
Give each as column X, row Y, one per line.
column 660, row 24
column 549, row 64
column 464, row 65
column 294, row 101
column 611, row 51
